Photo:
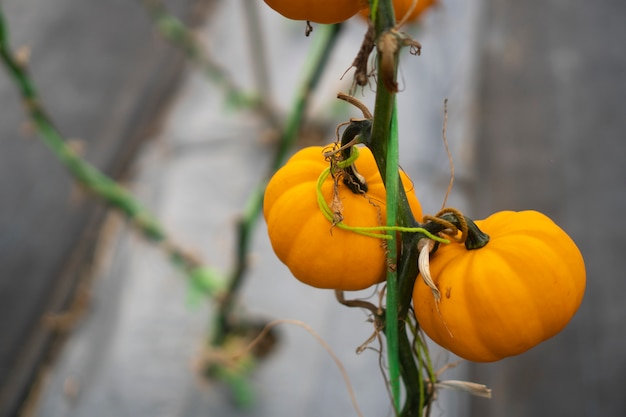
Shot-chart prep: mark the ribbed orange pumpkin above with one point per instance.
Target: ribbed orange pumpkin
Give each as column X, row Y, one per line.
column 319, row 11
column 402, row 7
column 303, row 239
column 520, row 289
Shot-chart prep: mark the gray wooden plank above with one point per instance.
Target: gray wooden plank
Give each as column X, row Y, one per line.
column 552, row 138
column 103, row 76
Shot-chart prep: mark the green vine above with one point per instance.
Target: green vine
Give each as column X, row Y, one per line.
column 185, row 39
column 93, row 180
column 384, row 146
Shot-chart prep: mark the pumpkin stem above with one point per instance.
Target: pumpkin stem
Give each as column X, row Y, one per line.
column 451, row 222
column 358, row 131
column 476, row 238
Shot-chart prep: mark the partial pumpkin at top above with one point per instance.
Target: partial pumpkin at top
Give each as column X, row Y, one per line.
column 405, row 9
column 318, row 11
column 335, row 11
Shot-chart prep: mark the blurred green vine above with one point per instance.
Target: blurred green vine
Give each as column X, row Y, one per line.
column 204, row 280
column 90, row 178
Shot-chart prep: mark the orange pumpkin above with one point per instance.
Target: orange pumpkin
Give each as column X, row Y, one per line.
column 402, row 7
column 520, row 289
column 317, row 253
column 319, row 11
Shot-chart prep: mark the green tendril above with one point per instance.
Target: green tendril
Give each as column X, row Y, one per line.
column 354, row 154
column 370, row 231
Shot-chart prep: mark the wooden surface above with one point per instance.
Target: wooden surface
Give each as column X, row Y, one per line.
column 103, row 75
column 552, row 137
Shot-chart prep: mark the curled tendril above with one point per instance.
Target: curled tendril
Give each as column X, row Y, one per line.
column 451, row 229
column 370, row 231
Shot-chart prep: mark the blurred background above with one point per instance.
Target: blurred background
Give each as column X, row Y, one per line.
column 536, row 96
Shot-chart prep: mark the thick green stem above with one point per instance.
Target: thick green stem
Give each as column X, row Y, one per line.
column 410, row 375
column 384, row 146
column 384, row 19
column 392, row 253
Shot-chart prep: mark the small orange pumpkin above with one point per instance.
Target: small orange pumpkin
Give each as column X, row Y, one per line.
column 402, row 7
column 520, row 289
column 303, row 239
column 319, row 11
